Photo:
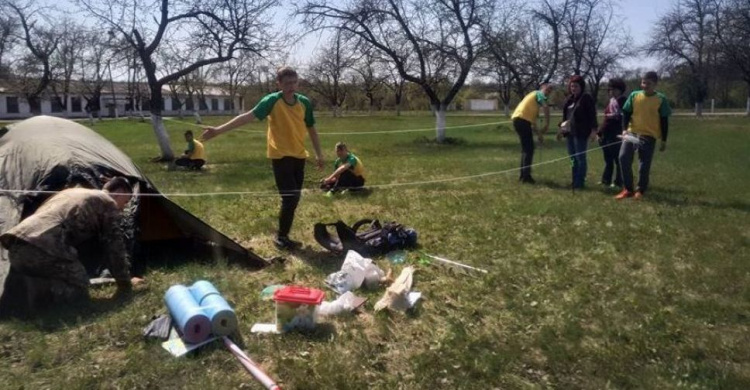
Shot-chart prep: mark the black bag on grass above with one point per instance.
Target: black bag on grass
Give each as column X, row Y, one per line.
column 373, row 239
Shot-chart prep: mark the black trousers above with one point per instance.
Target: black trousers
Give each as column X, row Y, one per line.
column 526, row 135
column 289, row 173
column 349, row 180
column 189, row 163
column 611, row 150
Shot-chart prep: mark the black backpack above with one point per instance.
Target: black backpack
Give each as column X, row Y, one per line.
column 373, row 239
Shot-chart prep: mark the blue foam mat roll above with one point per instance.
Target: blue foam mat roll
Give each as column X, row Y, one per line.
column 190, row 318
column 222, row 316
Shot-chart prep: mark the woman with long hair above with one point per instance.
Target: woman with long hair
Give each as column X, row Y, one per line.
column 578, row 125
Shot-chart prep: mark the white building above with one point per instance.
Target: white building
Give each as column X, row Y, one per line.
column 215, row 102
column 482, row 105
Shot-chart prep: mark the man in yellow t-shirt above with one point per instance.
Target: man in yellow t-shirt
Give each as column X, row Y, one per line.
column 645, row 120
column 524, row 121
column 349, row 172
column 290, row 117
column 195, row 155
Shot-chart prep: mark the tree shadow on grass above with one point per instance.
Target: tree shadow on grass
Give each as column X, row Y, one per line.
column 680, row 199
column 459, row 144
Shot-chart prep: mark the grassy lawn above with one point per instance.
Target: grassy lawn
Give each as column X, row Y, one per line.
column 582, row 291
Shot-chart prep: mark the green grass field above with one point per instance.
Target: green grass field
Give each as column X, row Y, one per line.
column 582, row 291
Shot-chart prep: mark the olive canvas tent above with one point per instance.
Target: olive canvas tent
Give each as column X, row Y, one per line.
column 49, row 154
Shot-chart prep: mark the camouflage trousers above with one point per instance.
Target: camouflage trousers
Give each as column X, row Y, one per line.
column 44, row 280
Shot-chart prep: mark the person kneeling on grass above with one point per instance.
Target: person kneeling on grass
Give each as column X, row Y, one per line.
column 195, row 155
column 44, row 249
column 348, row 174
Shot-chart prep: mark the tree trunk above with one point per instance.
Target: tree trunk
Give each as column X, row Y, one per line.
column 162, row 137
column 91, row 118
column 180, row 114
column 197, row 116
column 506, row 110
column 439, row 110
column 698, row 108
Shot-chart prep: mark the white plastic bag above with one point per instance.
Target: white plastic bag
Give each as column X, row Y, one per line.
column 352, row 273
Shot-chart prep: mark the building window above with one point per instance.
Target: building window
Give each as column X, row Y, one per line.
column 75, row 104
column 189, row 104
column 12, row 104
column 35, row 106
column 202, row 102
column 215, row 104
column 56, row 104
column 228, row 105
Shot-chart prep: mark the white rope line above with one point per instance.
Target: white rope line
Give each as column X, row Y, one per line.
column 364, row 132
column 389, row 185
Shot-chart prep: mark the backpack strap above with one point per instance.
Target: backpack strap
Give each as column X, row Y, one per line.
column 361, row 222
column 324, row 238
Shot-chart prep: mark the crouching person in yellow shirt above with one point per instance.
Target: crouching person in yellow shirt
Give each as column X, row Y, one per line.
column 195, row 156
column 349, row 173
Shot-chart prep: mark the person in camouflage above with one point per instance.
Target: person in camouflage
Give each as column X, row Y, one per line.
column 43, row 248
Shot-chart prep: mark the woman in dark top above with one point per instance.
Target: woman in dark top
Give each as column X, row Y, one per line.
column 608, row 132
column 579, row 123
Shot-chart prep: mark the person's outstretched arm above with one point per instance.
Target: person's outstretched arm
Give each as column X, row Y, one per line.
column 211, row 132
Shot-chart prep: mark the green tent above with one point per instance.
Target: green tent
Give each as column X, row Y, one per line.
column 45, row 153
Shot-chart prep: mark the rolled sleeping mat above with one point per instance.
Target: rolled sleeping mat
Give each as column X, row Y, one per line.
column 222, row 316
column 190, row 318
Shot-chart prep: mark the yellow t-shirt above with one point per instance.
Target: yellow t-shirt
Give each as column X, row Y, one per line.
column 355, row 164
column 198, row 152
column 646, row 113
column 287, row 124
column 528, row 109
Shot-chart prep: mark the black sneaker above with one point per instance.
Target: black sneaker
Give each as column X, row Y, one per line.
column 284, row 243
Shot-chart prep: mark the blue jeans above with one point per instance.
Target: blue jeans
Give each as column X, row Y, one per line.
column 577, row 151
column 645, row 156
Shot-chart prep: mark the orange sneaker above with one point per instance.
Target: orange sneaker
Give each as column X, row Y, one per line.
column 624, row 194
column 638, row 195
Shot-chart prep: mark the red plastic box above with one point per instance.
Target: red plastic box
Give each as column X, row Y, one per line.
column 296, row 307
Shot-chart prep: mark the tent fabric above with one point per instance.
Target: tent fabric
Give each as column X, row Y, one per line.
column 45, row 153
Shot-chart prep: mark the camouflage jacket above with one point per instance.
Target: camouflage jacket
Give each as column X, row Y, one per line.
column 71, row 218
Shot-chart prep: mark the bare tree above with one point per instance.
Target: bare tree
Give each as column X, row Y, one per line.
column 92, row 69
column 607, row 43
column 42, row 41
column 328, row 70
column 733, row 33
column 215, row 29
column 685, row 36
column 8, row 37
column 233, row 75
column 369, row 74
column 64, row 60
column 503, row 61
column 395, row 82
column 554, row 15
column 191, row 83
column 442, row 38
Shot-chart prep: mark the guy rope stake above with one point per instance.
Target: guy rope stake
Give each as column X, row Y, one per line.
column 250, row 365
column 455, row 263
